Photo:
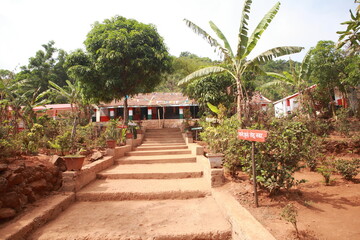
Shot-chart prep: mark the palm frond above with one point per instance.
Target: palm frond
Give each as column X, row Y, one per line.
column 243, row 30
column 274, row 83
column 212, row 41
column 305, row 66
column 201, row 73
column 273, row 53
column 262, row 26
column 223, row 38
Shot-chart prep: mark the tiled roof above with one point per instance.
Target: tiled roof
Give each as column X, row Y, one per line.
column 154, row 99
column 258, row 98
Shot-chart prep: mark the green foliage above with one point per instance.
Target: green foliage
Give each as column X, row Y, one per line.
column 214, row 89
column 8, row 144
column 62, row 142
column 326, row 170
column 289, row 213
column 288, row 144
column 236, row 64
column 45, row 67
column 343, row 124
column 112, row 132
column 348, row 169
column 123, row 56
column 351, row 35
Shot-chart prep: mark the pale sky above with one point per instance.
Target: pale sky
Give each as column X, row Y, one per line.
column 27, row 24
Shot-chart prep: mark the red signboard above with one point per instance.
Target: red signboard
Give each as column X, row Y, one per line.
column 122, row 126
column 252, row 135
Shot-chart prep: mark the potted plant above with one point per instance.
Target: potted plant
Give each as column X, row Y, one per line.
column 111, row 133
column 131, row 133
column 74, row 162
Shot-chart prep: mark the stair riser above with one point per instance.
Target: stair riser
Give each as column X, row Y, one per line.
column 163, row 142
column 151, row 175
column 102, row 196
column 155, row 153
column 163, row 138
column 178, row 160
column 159, row 148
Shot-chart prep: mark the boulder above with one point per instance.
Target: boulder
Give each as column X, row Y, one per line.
column 3, row 167
column 39, row 185
column 15, row 179
column 96, row 156
column 54, row 159
column 3, row 184
column 11, row 199
column 7, row 213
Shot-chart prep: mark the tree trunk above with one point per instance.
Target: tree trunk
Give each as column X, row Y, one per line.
column 73, row 132
column 238, row 99
column 126, row 112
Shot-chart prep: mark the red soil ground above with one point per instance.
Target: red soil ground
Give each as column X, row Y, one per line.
column 324, row 212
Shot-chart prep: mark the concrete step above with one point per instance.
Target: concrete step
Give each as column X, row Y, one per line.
column 152, row 171
column 160, row 144
column 163, row 137
column 166, row 219
column 144, row 189
column 163, row 130
column 183, row 158
column 165, row 147
column 159, row 141
column 158, row 152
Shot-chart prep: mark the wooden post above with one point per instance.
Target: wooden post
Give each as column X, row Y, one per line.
column 254, row 174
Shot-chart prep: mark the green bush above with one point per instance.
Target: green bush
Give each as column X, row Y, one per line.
column 326, row 171
column 276, row 159
column 348, row 169
column 62, row 142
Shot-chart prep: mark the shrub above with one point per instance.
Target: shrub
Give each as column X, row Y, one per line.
column 347, row 169
column 277, row 159
column 289, row 214
column 62, row 142
column 326, row 171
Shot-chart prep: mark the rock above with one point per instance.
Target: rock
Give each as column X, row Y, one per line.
column 39, row 185
column 15, row 179
column 3, row 167
column 3, row 184
column 96, row 156
column 54, row 159
column 7, row 213
column 20, row 168
column 11, row 199
column 48, row 176
column 60, row 163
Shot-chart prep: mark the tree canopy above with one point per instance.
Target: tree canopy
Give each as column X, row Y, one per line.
column 124, row 57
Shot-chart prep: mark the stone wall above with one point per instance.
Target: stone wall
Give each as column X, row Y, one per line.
column 21, row 184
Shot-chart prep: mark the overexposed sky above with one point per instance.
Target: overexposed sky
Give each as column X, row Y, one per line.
column 27, row 24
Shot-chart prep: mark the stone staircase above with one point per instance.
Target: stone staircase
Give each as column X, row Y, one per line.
column 156, row 191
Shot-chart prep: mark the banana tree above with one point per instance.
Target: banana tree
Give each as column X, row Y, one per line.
column 298, row 78
column 74, row 94
column 238, row 64
column 351, row 36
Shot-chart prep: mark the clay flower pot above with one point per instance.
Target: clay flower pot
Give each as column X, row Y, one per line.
column 111, row 143
column 74, row 162
column 129, row 135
